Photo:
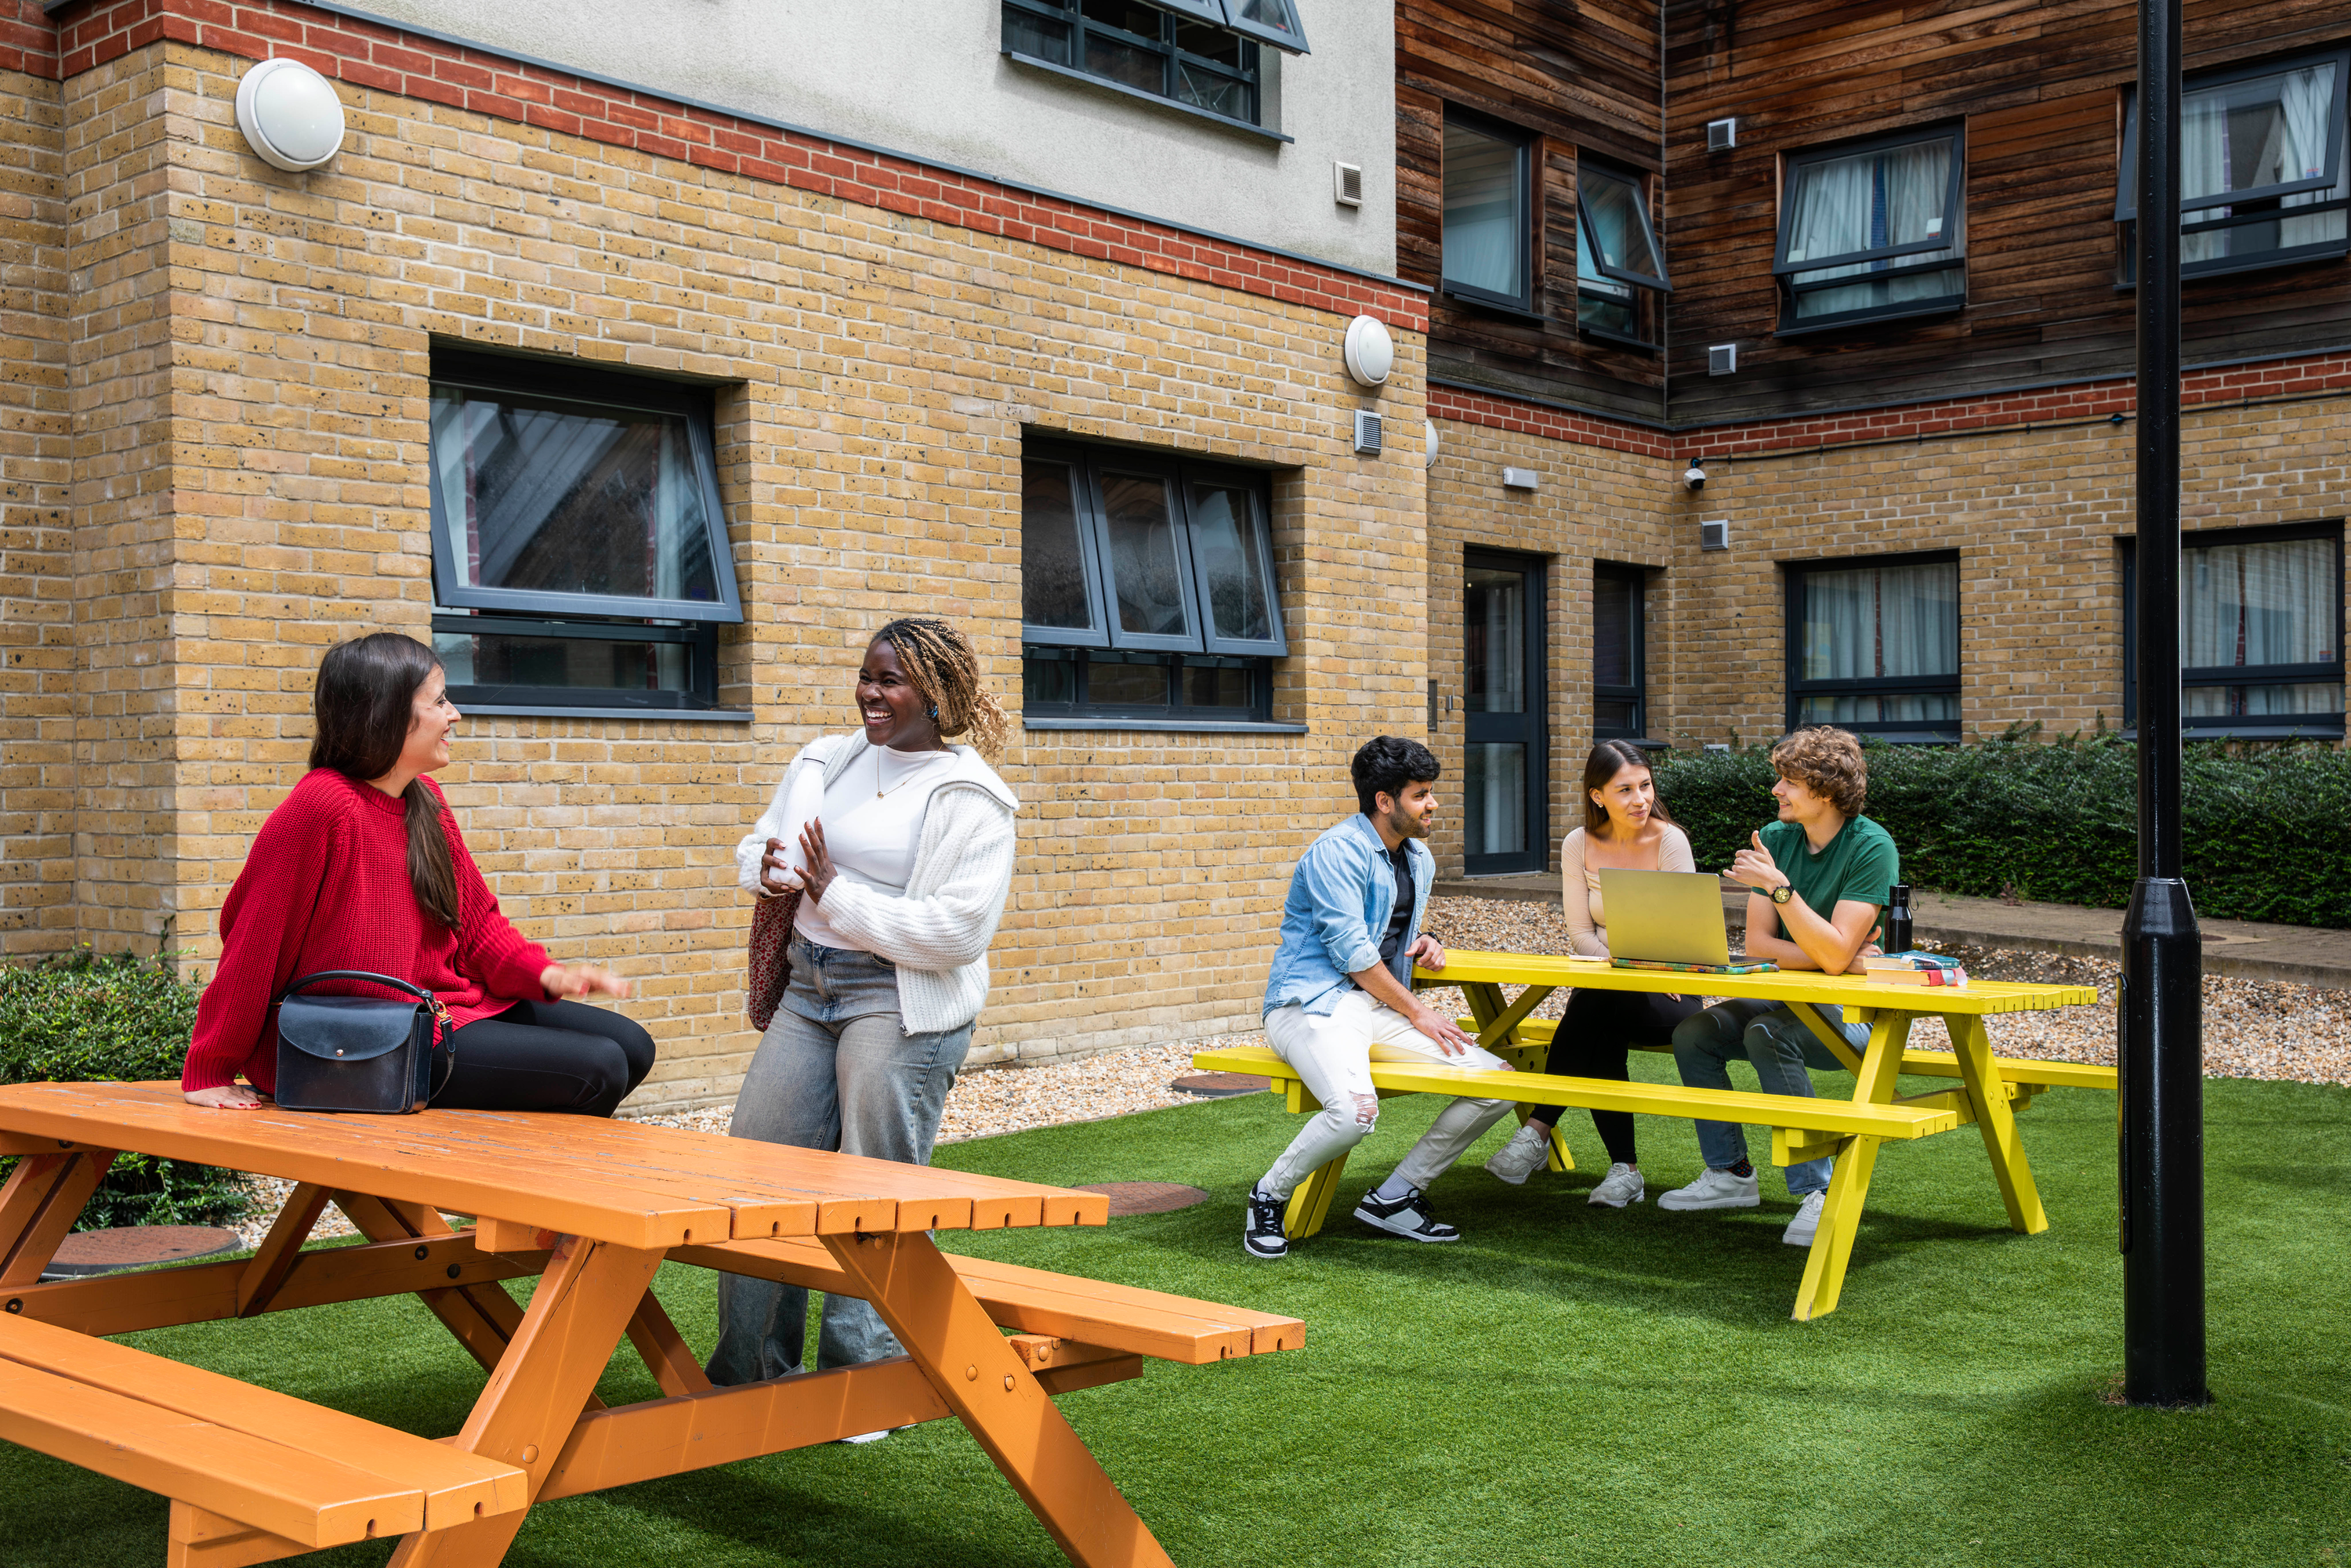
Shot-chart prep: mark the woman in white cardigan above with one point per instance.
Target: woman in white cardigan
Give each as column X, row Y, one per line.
column 1625, row 828
column 902, row 847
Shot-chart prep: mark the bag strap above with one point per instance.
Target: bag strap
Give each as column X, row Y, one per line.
column 442, row 1023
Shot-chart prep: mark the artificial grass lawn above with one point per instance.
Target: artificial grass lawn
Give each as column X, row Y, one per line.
column 1566, row 1384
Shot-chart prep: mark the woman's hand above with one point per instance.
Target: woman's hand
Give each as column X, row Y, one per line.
column 227, row 1097
column 819, row 872
column 580, row 979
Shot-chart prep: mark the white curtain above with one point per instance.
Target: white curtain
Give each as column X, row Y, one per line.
column 1881, row 622
column 1866, row 202
column 2245, row 149
column 1485, row 244
column 2305, row 100
column 2259, row 604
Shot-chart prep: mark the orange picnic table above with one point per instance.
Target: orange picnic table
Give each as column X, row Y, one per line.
column 593, row 1207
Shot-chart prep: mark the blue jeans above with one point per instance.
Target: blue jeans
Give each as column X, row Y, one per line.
column 835, row 1071
column 1777, row 1043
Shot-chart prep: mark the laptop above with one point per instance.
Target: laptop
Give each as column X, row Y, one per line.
column 1665, row 916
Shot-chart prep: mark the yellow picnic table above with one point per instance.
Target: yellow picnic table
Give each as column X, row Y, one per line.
column 1990, row 1090
column 592, row 1207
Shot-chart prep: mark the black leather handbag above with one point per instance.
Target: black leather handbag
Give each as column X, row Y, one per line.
column 359, row 1053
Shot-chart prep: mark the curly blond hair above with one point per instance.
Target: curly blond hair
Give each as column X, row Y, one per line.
column 1828, row 762
column 941, row 662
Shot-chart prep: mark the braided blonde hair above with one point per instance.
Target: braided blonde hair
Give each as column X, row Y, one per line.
column 941, row 662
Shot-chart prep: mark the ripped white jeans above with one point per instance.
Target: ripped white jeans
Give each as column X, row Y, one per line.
column 1333, row 1054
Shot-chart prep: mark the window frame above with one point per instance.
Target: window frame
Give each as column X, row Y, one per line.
column 1640, row 304
column 1783, row 271
column 1173, row 56
column 2338, row 123
column 2193, row 727
column 588, row 387
column 1523, row 142
column 699, row 699
column 1083, row 712
column 1637, row 694
column 1291, row 43
column 1915, row 731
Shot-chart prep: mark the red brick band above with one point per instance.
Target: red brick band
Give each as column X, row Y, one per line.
column 484, row 81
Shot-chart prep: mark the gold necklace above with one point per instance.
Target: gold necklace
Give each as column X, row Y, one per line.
column 878, row 791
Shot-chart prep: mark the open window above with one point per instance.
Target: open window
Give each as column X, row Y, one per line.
column 1620, row 267
column 1875, row 647
column 1872, row 230
column 2263, row 176
column 1198, row 54
column 580, row 553
column 1148, row 588
column 2261, row 623
column 1489, row 212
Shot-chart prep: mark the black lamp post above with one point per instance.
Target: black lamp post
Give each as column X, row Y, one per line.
column 2162, row 1048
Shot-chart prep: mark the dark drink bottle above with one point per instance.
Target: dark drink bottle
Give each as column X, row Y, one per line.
column 1898, row 919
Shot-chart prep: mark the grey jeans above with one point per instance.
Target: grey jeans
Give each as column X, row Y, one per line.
column 1777, row 1043
column 835, row 1071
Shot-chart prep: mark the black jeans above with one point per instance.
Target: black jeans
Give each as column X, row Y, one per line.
column 1600, row 1026
column 546, row 1056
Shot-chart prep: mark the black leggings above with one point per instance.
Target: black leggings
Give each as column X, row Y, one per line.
column 546, row 1056
column 1600, row 1026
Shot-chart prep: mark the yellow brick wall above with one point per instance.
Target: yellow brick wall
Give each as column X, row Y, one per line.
column 251, row 489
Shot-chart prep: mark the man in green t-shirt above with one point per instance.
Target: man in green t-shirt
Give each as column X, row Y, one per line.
column 1820, row 876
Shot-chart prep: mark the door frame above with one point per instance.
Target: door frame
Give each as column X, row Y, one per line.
column 1536, row 856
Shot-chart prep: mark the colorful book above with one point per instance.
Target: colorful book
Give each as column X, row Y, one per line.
column 1697, row 968
column 1913, row 970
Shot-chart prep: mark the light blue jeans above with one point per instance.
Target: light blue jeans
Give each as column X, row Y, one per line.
column 835, row 1071
column 1777, row 1043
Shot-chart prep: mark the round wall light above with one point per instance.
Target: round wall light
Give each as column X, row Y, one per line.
column 1432, row 445
column 290, row 114
column 1370, row 352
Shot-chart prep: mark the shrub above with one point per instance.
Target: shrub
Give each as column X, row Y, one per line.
column 2264, row 828
column 84, row 1017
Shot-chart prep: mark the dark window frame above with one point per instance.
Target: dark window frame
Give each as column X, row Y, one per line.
column 1536, row 715
column 1083, row 712
column 2339, row 123
column 1173, row 57
column 1953, row 239
column 1926, row 731
column 2248, row 726
column 1637, row 694
column 1646, row 304
column 1527, row 146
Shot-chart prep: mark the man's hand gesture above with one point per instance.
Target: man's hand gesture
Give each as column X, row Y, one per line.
column 1756, row 867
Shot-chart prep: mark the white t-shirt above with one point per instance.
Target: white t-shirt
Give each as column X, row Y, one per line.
column 872, row 840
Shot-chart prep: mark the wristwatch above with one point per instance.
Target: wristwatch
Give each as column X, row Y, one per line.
column 1784, row 892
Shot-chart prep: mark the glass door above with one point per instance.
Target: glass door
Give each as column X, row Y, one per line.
column 1503, row 788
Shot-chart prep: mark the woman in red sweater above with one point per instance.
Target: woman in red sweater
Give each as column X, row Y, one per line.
column 363, row 867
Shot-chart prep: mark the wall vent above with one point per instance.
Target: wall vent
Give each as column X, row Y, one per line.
column 1715, row 535
column 1721, row 135
column 1722, row 358
column 1518, row 478
column 1368, row 433
column 1347, row 184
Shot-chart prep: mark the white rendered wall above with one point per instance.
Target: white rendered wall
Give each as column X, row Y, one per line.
column 928, row 78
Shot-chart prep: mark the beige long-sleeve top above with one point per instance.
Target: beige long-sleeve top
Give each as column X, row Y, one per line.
column 1587, row 920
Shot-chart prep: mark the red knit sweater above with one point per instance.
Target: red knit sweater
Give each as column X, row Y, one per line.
column 326, row 887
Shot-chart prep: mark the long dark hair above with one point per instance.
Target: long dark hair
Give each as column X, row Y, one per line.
column 1609, row 758
column 364, row 703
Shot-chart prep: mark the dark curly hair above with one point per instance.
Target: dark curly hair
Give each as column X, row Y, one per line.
column 1386, row 764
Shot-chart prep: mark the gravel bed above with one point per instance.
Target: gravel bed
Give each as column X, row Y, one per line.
column 2251, row 1029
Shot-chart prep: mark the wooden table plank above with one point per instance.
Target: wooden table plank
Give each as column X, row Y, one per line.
column 1977, row 996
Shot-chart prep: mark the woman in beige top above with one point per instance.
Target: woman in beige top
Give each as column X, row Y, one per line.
column 1625, row 828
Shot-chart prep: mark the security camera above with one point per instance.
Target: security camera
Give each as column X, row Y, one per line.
column 1694, row 477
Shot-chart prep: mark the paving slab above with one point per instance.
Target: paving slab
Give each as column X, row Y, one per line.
column 2244, row 949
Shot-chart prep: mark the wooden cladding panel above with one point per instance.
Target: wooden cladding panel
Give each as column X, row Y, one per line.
column 2038, row 87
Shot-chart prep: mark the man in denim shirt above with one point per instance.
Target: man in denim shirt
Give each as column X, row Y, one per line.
column 1340, row 998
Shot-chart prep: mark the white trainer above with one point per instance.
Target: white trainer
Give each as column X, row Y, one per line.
column 1621, row 1185
column 1715, row 1189
column 1523, row 1155
column 1807, row 1223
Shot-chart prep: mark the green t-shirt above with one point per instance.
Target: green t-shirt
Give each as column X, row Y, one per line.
column 1860, row 863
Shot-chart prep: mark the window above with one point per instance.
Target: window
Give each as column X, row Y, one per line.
column 2261, row 623
column 1489, row 235
column 1147, row 591
column 1193, row 53
column 1871, row 230
column 1619, row 265
column 1619, row 659
column 1875, row 648
column 580, row 556
column 2262, row 173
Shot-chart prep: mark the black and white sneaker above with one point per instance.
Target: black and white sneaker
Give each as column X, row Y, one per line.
column 1407, row 1216
column 1261, row 1234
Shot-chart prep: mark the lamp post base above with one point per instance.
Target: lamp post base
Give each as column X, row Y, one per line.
column 2161, row 1057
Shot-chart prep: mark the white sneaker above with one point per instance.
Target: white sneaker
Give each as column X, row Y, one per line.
column 1801, row 1229
column 1715, row 1189
column 864, row 1437
column 1621, row 1185
column 1525, row 1154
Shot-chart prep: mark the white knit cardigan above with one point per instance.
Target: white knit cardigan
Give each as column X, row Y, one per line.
column 938, row 933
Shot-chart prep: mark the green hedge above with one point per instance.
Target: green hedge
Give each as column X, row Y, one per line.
column 84, row 1017
column 2266, row 828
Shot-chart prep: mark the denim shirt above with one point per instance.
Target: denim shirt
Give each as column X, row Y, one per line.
column 1341, row 897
